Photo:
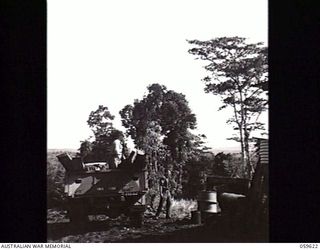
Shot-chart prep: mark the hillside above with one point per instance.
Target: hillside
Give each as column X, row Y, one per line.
column 61, row 150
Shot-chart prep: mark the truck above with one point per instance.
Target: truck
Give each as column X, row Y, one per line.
column 93, row 188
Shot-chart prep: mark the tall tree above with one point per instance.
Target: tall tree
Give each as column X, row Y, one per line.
column 239, row 75
column 165, row 115
column 100, row 122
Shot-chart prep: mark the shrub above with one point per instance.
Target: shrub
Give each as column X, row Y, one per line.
column 55, row 180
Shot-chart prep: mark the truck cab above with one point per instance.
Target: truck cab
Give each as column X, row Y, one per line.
column 93, row 188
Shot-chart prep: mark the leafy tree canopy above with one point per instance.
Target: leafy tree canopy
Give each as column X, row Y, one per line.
column 166, row 108
column 161, row 124
column 100, row 122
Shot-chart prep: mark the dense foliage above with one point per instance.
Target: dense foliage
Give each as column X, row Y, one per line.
column 55, row 179
column 161, row 125
column 100, row 122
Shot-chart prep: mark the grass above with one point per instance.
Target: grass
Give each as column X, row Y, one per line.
column 181, row 209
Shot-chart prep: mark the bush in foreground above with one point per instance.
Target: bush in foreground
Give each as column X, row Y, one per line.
column 55, row 179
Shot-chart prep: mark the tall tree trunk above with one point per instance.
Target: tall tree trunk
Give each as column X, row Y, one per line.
column 245, row 137
column 247, row 153
column 155, row 161
column 243, row 163
column 246, row 143
column 239, row 124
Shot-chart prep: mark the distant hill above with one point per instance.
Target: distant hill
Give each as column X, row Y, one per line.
column 61, row 150
column 226, row 150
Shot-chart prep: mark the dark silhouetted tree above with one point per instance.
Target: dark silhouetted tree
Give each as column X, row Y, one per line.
column 222, row 164
column 239, row 75
column 100, row 122
column 162, row 120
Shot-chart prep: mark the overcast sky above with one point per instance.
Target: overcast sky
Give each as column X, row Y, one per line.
column 103, row 52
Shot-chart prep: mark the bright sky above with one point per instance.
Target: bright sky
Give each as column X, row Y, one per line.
column 106, row 52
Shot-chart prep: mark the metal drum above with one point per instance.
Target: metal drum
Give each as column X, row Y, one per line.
column 207, row 202
column 196, row 217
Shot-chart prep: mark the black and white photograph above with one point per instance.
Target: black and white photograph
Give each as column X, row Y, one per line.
column 157, row 121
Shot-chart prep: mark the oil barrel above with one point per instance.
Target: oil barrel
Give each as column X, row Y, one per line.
column 208, row 202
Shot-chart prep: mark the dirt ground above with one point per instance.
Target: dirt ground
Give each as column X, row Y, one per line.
column 101, row 229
